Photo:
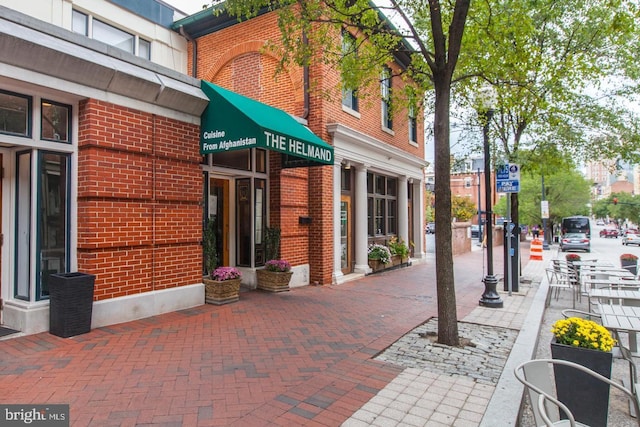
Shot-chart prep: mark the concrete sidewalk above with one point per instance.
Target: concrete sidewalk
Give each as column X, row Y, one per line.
column 470, row 394
column 311, row 356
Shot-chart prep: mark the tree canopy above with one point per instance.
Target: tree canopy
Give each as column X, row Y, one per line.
column 567, row 192
column 547, row 59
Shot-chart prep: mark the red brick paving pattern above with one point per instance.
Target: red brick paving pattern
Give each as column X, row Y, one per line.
column 296, row 358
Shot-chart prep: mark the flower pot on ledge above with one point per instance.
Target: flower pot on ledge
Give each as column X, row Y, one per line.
column 273, row 281
column 220, row 292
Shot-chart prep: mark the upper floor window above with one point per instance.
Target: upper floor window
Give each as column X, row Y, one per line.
column 349, row 52
column 413, row 125
column 385, row 93
column 98, row 30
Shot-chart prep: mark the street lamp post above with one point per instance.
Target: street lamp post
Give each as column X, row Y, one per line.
column 479, row 212
column 490, row 297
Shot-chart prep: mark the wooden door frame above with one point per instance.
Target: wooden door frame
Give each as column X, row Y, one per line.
column 345, row 198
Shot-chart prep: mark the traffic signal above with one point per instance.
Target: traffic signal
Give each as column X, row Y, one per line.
column 615, row 200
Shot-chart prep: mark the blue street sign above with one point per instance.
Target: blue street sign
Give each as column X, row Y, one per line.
column 508, row 178
column 502, row 173
column 508, row 186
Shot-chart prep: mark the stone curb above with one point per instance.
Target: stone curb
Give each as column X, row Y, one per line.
column 506, row 401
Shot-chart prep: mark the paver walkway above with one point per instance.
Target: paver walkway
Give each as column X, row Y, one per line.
column 304, row 357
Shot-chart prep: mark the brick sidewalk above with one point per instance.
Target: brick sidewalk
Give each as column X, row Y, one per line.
column 304, row 357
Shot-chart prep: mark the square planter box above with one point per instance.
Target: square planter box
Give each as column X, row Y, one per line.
column 70, row 303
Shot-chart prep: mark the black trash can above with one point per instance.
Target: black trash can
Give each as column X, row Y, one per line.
column 70, row 303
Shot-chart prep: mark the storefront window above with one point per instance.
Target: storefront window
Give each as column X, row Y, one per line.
column 382, row 205
column 238, row 159
column 261, row 160
column 23, row 228
column 244, row 223
column 55, row 123
column 53, row 241
column 260, row 219
column 15, row 114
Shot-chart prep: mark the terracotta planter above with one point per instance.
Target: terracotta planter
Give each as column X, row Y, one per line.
column 273, row 281
column 585, row 396
column 220, row 292
column 396, row 260
column 377, row 265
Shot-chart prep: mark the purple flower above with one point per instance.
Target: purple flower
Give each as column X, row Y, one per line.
column 225, row 273
column 279, row 265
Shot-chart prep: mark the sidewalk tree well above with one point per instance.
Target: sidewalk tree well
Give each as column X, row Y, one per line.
column 432, row 36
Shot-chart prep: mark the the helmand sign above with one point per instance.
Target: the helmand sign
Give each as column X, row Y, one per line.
column 235, row 122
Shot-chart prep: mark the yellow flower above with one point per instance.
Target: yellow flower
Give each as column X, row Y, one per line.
column 584, row 333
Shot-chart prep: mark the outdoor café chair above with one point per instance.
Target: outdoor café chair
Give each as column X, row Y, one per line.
column 537, row 377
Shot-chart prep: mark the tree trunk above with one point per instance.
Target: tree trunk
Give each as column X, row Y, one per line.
column 447, row 311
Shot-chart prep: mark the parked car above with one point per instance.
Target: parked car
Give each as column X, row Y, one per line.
column 475, row 231
column 431, row 228
column 609, row 232
column 631, row 239
column 600, row 222
column 575, row 241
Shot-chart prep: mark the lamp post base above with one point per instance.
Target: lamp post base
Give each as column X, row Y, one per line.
column 490, row 297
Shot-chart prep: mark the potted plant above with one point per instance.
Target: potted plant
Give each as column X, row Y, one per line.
column 630, row 262
column 572, row 257
column 589, row 344
column 276, row 274
column 379, row 256
column 399, row 250
column 222, row 285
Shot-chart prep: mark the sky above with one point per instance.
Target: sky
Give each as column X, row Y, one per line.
column 188, row 6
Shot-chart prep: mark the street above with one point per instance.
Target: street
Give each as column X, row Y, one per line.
column 608, row 248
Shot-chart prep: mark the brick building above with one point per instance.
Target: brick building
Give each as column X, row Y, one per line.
column 373, row 190
column 106, row 110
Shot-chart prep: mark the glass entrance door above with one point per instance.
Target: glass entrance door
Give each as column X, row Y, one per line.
column 218, row 211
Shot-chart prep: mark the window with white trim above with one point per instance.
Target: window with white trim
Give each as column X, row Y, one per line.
column 349, row 50
column 413, row 125
column 385, row 94
column 93, row 28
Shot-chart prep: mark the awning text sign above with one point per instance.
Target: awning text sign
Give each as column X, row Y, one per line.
column 235, row 122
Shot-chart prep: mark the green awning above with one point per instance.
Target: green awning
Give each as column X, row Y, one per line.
column 235, row 122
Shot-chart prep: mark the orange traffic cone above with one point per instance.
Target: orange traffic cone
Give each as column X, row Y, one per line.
column 535, row 253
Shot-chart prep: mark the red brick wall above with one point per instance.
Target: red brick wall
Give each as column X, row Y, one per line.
column 139, row 189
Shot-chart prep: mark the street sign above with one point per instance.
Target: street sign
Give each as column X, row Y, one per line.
column 508, row 178
column 508, row 186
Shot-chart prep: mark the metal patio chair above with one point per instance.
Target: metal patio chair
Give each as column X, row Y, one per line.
column 537, row 377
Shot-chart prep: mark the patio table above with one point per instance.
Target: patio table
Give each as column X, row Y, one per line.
column 623, row 318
